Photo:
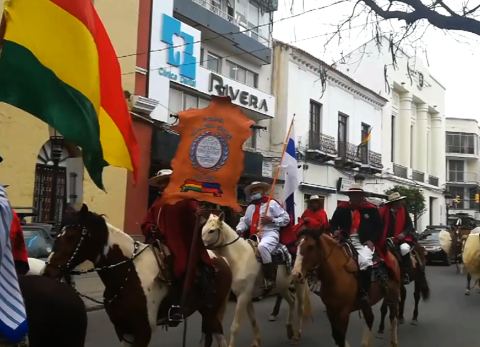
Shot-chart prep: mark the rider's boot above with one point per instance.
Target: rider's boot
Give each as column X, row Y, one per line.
column 364, row 280
column 270, row 276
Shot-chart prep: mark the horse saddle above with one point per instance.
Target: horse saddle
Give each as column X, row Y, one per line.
column 280, row 256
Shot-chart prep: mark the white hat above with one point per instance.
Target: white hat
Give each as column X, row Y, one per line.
column 395, row 196
column 315, row 197
column 160, row 177
column 257, row 184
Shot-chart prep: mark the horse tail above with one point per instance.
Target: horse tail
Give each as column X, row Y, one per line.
column 307, row 305
column 423, row 286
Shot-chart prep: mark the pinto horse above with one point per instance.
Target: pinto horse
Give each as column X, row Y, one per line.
column 219, row 237
column 337, row 271
column 136, row 280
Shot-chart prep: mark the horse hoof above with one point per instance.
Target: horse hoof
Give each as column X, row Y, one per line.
column 256, row 344
column 414, row 322
column 381, row 331
column 290, row 334
column 272, row 318
column 401, row 320
column 467, row 292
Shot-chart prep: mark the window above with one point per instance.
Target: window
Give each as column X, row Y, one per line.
column 365, row 145
column 180, row 100
column 315, row 124
column 471, row 195
column 342, row 134
column 456, row 171
column 213, row 62
column 461, row 143
column 242, row 75
column 392, row 154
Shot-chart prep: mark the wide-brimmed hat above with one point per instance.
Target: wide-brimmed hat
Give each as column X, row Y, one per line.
column 354, row 189
column 315, row 198
column 160, row 177
column 255, row 185
column 395, row 196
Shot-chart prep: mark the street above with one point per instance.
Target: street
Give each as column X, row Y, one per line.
column 449, row 318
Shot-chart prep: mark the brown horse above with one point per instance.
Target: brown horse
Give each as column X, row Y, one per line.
column 136, row 280
column 421, row 288
column 337, row 272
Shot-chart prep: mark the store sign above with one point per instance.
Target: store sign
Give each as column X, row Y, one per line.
column 175, row 56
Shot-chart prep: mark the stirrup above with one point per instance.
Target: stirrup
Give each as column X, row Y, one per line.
column 175, row 314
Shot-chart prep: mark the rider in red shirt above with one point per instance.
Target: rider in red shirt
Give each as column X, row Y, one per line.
column 19, row 250
column 314, row 217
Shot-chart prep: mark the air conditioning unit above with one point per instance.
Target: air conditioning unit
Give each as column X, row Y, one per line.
column 141, row 104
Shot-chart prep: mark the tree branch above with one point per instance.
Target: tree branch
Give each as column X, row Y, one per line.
column 422, row 11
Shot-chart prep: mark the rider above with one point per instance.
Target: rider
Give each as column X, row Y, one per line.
column 359, row 221
column 13, row 327
column 398, row 226
column 268, row 225
column 174, row 225
column 314, row 217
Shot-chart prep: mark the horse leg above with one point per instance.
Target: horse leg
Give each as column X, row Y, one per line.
column 276, row 309
column 287, row 295
column 403, row 297
column 416, row 295
column 240, row 309
column 383, row 311
column 393, row 307
column 339, row 324
column 253, row 321
column 300, row 293
column 469, row 279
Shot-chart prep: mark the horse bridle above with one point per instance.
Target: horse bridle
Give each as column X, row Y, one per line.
column 83, row 235
column 214, row 245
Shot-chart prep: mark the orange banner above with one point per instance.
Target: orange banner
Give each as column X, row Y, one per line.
column 209, row 159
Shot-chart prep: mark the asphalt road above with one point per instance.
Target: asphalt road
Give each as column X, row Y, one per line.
column 449, row 318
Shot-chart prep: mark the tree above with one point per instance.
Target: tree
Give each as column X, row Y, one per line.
column 415, row 201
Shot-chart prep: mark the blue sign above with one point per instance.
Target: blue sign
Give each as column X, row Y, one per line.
column 183, row 57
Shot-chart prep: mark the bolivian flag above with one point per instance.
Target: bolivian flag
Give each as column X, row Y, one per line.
column 57, row 63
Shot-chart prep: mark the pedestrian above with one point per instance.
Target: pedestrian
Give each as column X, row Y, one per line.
column 358, row 221
column 13, row 318
column 266, row 226
column 399, row 227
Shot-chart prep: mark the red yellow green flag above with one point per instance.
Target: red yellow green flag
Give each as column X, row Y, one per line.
column 58, row 64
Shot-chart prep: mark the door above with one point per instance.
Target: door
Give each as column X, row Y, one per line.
column 342, row 135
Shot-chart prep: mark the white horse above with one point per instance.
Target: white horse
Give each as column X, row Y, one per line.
column 219, row 237
column 471, row 256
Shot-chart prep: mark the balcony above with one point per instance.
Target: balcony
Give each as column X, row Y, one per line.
column 418, row 176
column 347, row 156
column 321, row 147
column 400, row 171
column 433, row 180
column 459, row 151
column 371, row 161
column 464, row 178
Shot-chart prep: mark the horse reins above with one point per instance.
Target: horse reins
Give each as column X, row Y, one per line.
column 213, row 245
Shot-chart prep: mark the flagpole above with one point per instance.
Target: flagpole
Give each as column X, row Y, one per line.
column 277, row 173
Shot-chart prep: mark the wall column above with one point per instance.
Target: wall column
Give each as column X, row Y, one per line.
column 422, row 140
column 404, row 122
column 437, row 152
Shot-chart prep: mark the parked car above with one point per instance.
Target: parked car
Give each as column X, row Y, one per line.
column 38, row 239
column 429, row 239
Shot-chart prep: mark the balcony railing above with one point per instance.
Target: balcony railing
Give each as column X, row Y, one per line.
column 322, row 142
column 400, row 171
column 433, row 180
column 348, row 151
column 215, row 6
column 375, row 159
column 463, row 177
column 418, row 176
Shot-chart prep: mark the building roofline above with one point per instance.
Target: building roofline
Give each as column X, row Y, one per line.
column 331, row 68
column 462, row 119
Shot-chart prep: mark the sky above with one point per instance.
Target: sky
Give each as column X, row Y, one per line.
column 452, row 57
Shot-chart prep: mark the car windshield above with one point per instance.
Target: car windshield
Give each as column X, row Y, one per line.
column 30, row 233
column 433, row 236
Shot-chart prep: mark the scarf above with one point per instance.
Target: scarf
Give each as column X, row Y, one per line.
column 256, row 214
column 355, row 222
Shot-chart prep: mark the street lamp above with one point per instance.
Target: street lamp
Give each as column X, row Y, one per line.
column 448, row 202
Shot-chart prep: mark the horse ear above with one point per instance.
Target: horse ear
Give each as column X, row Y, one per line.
column 221, row 217
column 84, row 210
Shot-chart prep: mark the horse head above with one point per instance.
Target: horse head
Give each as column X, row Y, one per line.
column 213, row 232
column 308, row 253
column 83, row 237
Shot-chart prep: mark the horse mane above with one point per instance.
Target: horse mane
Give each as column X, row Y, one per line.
column 314, row 234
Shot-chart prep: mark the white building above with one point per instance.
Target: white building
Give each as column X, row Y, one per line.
column 463, row 165
column 413, row 123
column 329, row 124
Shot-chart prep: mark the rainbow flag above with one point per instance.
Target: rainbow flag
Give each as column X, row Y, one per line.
column 202, row 187
column 58, row 64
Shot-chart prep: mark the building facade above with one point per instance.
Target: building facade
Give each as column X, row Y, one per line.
column 413, row 122
column 463, row 165
column 333, row 113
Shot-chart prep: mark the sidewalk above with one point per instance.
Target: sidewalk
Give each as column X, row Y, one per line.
column 90, row 285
